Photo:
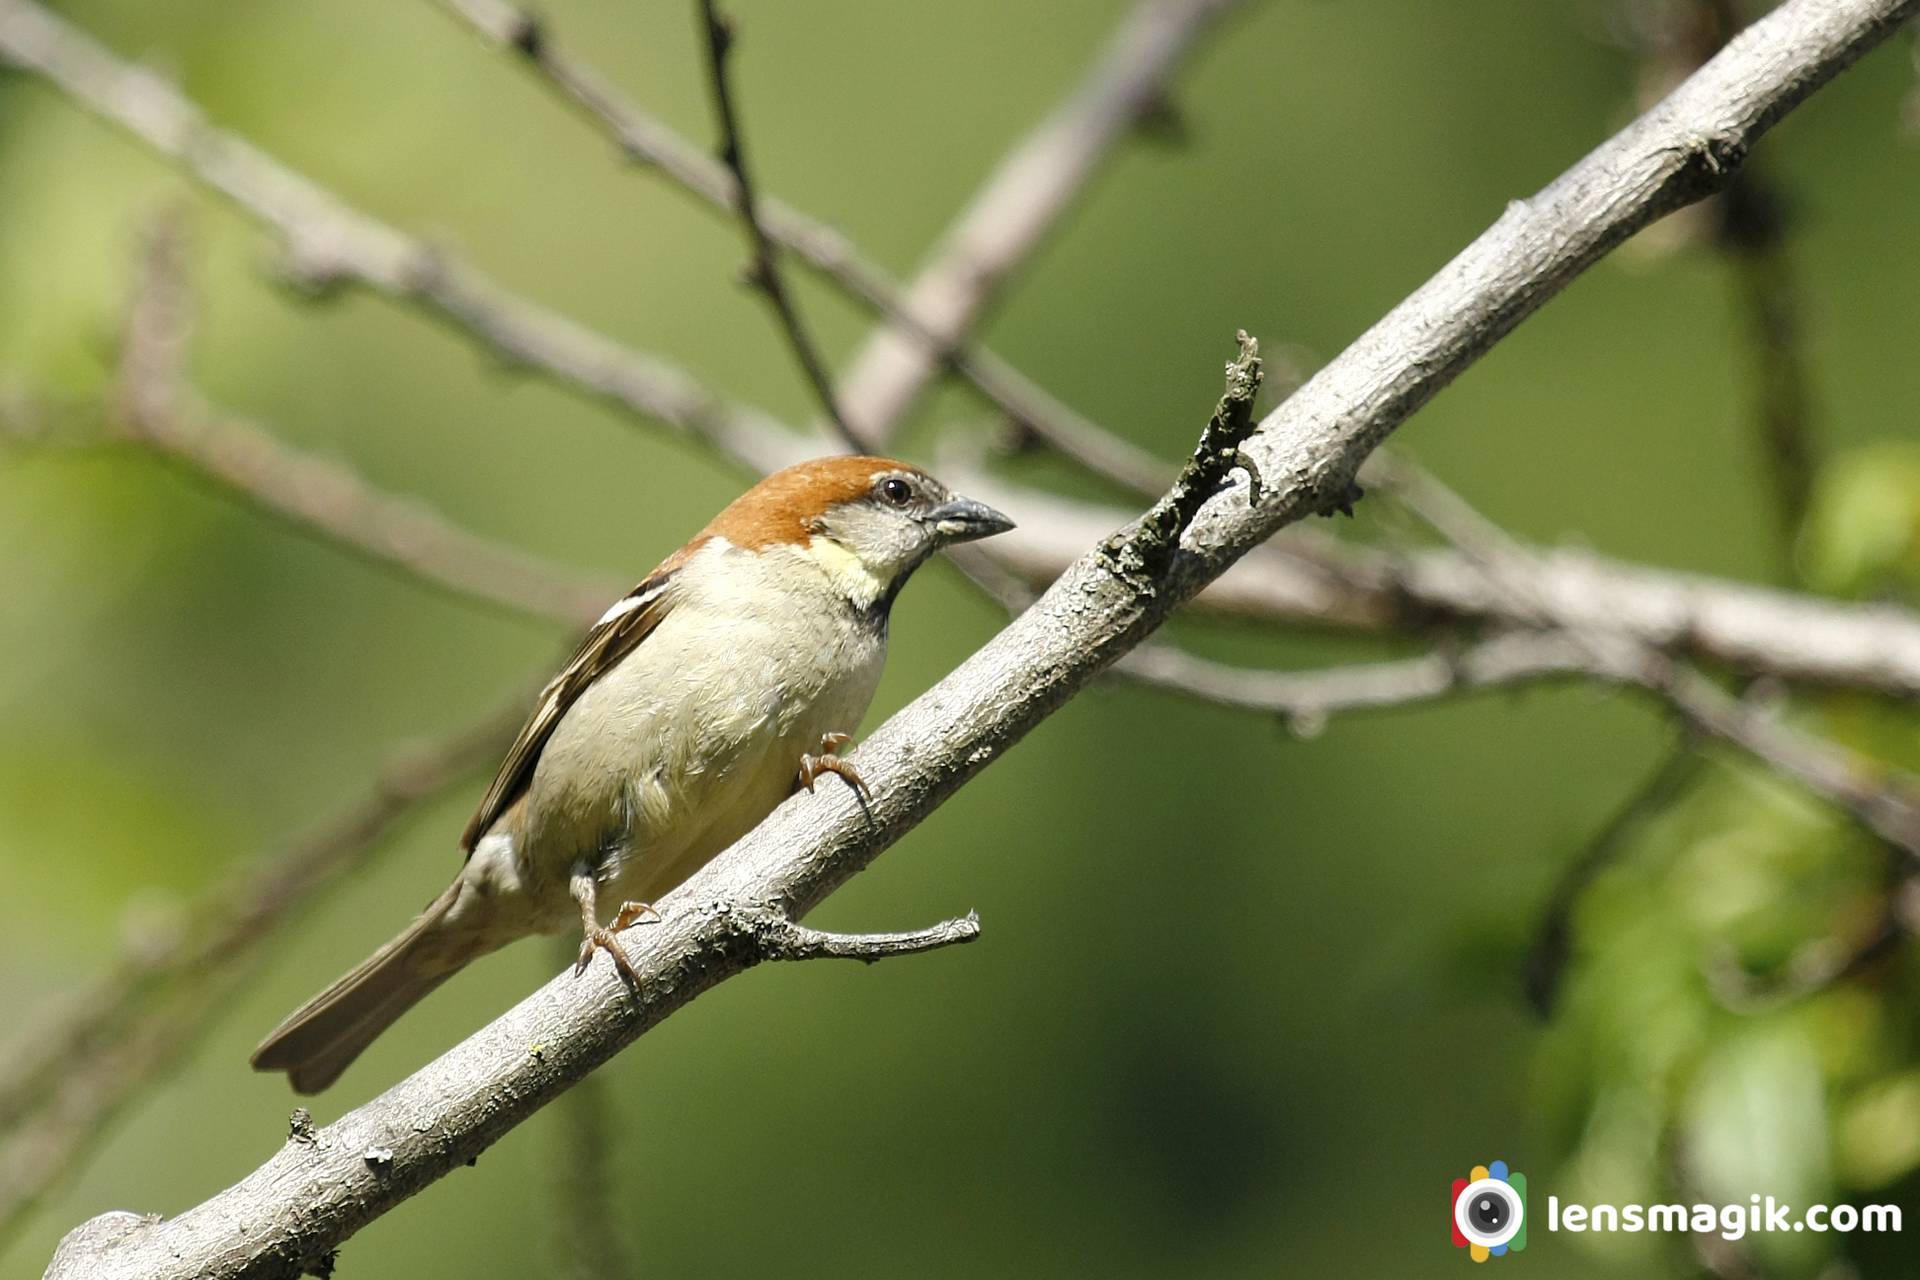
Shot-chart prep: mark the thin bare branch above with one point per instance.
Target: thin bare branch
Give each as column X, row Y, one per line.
column 1011, row 215
column 763, row 272
column 1306, row 700
column 322, row 498
column 329, row 499
column 62, row 1081
column 328, row 243
column 157, row 407
column 301, row 1203
column 1553, row 941
column 1142, row 552
column 1884, row 799
column 645, row 138
column 1754, row 239
column 1304, row 578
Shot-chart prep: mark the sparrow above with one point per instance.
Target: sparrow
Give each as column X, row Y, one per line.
column 728, row 678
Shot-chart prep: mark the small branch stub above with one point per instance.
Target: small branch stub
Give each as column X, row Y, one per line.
column 774, row 936
column 1142, row 556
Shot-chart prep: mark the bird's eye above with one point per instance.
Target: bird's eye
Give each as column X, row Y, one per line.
column 896, row 491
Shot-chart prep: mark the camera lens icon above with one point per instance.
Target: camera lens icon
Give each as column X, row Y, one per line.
column 1490, row 1211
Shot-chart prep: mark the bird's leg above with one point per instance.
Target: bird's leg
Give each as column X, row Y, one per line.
column 812, row 766
column 586, row 892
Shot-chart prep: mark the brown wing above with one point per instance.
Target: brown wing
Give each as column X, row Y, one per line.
column 612, row 638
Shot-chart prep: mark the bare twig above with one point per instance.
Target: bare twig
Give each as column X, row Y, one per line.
column 62, row 1081
column 1306, row 700
column 763, row 272
column 648, row 140
column 1304, row 579
column 157, row 407
column 328, row 243
column 1754, row 239
column 329, row 499
column 1008, row 218
column 1553, row 941
column 1884, row 799
column 298, row 1206
column 1141, row 553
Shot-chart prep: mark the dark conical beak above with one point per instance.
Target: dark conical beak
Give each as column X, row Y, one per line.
column 964, row 520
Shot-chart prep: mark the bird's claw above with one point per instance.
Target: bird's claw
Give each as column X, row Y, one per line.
column 632, row 913
column 584, row 885
column 607, row 940
column 812, row 766
column 604, row 940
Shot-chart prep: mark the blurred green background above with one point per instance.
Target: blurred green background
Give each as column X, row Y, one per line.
column 1245, row 1004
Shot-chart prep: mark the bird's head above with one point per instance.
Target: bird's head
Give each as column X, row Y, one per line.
column 867, row 523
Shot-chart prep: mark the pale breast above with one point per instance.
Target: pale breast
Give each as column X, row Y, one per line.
column 694, row 738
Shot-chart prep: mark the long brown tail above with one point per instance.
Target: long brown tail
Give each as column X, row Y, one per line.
column 320, row 1038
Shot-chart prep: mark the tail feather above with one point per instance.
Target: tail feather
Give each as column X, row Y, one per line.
column 323, row 1036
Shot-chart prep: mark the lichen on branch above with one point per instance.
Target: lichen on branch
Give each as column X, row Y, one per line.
column 1139, row 555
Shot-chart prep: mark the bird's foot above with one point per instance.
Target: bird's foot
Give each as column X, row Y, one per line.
column 585, row 888
column 812, row 766
column 599, row 939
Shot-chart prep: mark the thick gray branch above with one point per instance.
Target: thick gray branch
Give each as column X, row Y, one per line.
column 312, row 1195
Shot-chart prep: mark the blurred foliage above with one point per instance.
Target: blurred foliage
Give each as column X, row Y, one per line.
column 1703, row 1051
column 1863, row 533
column 1244, row 1003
